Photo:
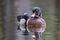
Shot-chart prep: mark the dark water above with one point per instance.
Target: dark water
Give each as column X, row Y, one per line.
column 25, row 36
column 20, row 35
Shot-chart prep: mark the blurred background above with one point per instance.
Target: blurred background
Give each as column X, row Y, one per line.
column 10, row 9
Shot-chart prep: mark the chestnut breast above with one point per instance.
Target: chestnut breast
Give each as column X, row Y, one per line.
column 34, row 23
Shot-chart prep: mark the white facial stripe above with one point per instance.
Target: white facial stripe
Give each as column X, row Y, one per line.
column 33, row 15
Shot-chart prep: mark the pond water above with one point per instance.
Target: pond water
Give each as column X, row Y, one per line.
column 49, row 14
